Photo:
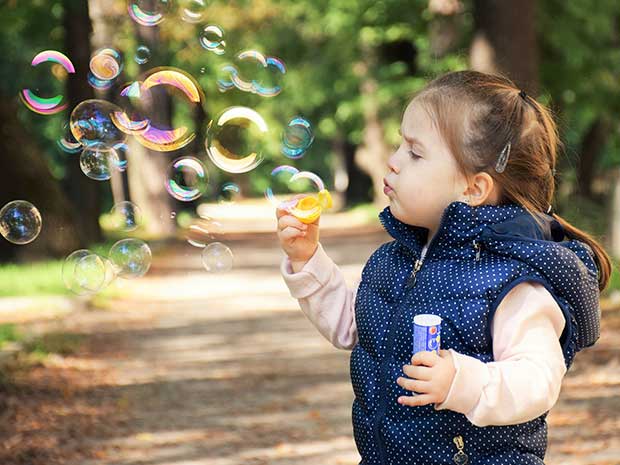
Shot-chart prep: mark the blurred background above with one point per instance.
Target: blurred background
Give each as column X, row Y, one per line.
column 187, row 364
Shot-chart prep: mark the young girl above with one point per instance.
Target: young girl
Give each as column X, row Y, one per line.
column 475, row 243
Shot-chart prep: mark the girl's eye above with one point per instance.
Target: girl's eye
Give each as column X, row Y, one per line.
column 413, row 155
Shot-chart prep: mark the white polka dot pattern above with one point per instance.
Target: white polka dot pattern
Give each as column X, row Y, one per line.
column 476, row 257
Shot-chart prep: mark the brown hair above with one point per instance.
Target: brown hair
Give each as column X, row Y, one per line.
column 490, row 112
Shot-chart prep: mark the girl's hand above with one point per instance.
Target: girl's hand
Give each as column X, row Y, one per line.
column 298, row 240
column 433, row 375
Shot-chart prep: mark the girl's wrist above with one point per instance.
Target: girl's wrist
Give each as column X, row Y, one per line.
column 297, row 265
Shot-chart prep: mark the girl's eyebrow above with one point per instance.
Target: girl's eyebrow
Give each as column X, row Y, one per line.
column 411, row 140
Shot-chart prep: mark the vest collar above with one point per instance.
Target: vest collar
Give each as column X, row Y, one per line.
column 461, row 224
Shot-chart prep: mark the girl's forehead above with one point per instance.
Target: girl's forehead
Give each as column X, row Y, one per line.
column 417, row 117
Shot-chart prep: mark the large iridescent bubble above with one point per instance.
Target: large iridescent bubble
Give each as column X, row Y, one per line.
column 20, row 222
column 157, row 136
column 91, row 124
column 51, row 105
column 235, row 139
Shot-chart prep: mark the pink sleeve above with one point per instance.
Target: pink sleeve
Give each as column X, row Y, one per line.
column 525, row 379
column 324, row 298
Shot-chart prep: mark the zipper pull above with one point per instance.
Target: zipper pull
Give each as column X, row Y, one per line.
column 412, row 277
column 460, row 458
column 477, row 248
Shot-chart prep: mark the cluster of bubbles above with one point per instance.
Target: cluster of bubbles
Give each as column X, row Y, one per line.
column 86, row 272
column 235, row 143
column 249, row 65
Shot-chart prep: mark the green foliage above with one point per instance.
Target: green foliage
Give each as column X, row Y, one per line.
column 580, row 65
column 54, row 343
column 8, row 333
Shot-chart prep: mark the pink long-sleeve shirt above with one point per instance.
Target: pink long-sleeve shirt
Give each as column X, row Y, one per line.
column 526, row 330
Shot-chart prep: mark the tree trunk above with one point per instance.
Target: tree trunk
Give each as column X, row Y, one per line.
column 505, row 41
column 25, row 175
column 592, row 146
column 84, row 193
column 372, row 154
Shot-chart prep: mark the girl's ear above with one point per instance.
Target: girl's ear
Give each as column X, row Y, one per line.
column 481, row 190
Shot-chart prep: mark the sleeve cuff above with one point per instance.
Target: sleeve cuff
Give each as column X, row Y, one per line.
column 469, row 380
column 315, row 274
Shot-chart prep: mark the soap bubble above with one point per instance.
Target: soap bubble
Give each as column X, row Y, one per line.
column 229, row 193
column 211, row 38
column 297, row 137
column 97, row 83
column 279, row 192
column 91, row 124
column 85, row 272
column 67, row 142
column 235, row 139
column 143, row 54
column 192, row 11
column 187, row 179
column 106, row 64
column 200, row 233
column 217, row 257
column 254, row 72
column 126, row 216
column 98, row 162
column 148, row 12
column 177, row 83
column 52, row 105
column 289, row 185
column 131, row 258
column 20, row 222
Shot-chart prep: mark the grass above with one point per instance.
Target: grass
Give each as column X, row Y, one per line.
column 50, row 343
column 39, row 278
column 9, row 333
column 53, row 343
column 32, row 279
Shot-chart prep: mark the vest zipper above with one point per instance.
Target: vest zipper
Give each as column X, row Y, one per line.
column 460, row 458
column 389, row 342
column 477, row 248
column 411, row 280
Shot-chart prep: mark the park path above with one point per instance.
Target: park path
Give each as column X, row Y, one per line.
column 192, row 368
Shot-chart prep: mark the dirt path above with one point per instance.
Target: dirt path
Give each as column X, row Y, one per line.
column 224, row 369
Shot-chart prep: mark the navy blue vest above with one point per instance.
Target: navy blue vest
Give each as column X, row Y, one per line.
column 476, row 257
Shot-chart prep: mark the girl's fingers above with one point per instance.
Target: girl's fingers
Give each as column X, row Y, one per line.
column 416, row 400
column 418, row 372
column 289, row 233
column 291, row 221
column 412, row 384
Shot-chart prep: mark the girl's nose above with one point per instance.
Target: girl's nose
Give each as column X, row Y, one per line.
column 392, row 164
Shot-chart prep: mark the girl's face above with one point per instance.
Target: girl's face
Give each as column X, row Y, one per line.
column 423, row 178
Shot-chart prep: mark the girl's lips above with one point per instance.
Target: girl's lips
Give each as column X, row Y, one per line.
column 386, row 187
